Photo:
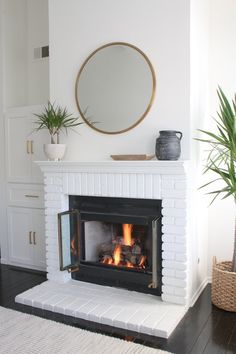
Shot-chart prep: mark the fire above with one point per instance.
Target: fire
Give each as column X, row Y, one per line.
column 129, row 264
column 72, row 247
column 125, row 251
column 116, row 255
column 127, row 230
column 142, row 261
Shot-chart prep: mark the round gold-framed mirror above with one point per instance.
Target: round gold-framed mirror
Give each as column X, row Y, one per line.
column 115, row 88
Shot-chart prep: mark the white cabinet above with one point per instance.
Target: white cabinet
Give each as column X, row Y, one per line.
column 25, row 195
column 26, row 237
column 24, row 145
column 39, row 247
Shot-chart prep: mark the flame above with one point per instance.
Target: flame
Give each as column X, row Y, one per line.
column 129, row 264
column 142, row 261
column 116, row 255
column 72, row 247
column 127, row 229
column 117, row 258
column 107, row 260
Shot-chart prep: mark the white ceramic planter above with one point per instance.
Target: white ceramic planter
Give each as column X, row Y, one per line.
column 54, row 152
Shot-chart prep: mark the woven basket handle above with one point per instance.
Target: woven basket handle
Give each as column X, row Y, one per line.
column 214, row 261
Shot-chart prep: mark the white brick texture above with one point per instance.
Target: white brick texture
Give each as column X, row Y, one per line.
column 168, row 181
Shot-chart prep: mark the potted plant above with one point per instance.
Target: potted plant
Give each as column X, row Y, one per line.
column 56, row 119
column 221, row 162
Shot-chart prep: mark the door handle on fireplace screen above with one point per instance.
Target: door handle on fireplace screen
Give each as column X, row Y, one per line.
column 69, row 240
column 154, row 283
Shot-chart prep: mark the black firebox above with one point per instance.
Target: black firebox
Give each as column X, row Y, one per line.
column 112, row 241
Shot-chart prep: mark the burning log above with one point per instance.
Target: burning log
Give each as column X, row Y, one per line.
column 123, row 251
column 134, row 259
column 105, row 248
column 136, row 249
column 106, row 259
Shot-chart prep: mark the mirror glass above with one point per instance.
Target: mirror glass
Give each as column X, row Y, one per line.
column 115, row 88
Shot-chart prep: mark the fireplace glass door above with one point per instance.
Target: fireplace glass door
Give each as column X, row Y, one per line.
column 69, row 245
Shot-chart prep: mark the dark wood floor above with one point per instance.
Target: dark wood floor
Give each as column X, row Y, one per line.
column 204, row 329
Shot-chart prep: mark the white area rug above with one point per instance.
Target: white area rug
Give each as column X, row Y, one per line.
column 26, row 334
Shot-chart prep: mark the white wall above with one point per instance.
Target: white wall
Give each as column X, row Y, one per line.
column 222, row 71
column 160, row 29
column 3, row 216
column 37, row 36
column 14, row 22
column 25, row 27
column 199, row 112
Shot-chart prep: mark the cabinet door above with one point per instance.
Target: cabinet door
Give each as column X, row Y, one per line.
column 39, row 249
column 37, row 154
column 37, row 140
column 20, row 239
column 18, row 128
column 24, row 144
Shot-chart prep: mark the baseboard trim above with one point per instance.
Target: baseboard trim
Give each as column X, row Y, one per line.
column 3, row 261
column 209, row 279
column 199, row 291
column 27, row 270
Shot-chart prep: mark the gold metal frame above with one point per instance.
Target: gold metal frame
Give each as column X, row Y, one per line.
column 153, row 87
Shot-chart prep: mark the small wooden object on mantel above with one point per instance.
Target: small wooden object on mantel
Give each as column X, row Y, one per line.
column 140, row 157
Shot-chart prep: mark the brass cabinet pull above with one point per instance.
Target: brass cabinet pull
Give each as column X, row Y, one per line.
column 34, row 237
column 31, row 196
column 31, row 146
column 28, row 147
column 30, row 237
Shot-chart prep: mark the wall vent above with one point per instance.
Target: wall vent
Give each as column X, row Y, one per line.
column 41, row 52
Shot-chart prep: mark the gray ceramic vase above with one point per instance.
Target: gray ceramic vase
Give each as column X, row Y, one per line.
column 168, row 145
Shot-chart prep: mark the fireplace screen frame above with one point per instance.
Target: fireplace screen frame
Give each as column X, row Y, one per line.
column 86, row 208
column 75, row 215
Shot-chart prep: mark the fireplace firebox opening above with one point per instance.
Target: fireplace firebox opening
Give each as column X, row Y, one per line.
column 112, row 241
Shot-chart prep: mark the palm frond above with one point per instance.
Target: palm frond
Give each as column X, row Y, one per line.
column 222, row 154
column 55, row 119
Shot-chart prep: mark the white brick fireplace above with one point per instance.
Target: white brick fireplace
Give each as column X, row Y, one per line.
column 168, row 181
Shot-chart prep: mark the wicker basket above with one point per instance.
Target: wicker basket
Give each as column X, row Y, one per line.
column 223, row 292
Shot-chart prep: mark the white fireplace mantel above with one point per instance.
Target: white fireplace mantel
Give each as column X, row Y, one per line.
column 169, row 181
column 152, row 166
column 165, row 180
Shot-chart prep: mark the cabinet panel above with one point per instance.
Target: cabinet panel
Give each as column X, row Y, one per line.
column 27, row 195
column 19, row 158
column 19, row 226
column 39, row 248
column 24, row 144
column 37, row 141
column 27, row 237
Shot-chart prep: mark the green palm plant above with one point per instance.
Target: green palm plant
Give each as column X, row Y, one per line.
column 222, row 154
column 55, row 119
